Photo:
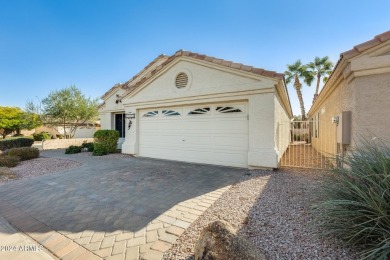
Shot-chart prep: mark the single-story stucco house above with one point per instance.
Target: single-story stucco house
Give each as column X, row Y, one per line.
column 195, row 108
column 355, row 101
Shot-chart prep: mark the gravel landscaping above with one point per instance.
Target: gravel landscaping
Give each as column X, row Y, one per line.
column 39, row 166
column 43, row 165
column 109, row 156
column 271, row 209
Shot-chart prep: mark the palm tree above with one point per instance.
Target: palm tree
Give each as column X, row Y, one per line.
column 321, row 67
column 298, row 71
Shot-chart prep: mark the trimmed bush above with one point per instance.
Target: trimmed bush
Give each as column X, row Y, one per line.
column 24, row 153
column 73, row 149
column 14, row 143
column 89, row 146
column 106, row 140
column 356, row 207
column 6, row 172
column 41, row 136
column 99, row 150
column 9, row 161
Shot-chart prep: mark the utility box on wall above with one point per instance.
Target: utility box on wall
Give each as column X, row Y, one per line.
column 343, row 130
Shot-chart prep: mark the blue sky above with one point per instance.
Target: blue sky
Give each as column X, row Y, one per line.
column 49, row 45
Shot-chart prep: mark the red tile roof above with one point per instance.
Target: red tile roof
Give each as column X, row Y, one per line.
column 127, row 83
column 181, row 53
column 366, row 45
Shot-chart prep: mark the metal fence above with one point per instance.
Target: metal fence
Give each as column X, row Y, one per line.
column 311, row 144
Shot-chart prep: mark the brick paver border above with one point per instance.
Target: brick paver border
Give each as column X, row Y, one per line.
column 57, row 244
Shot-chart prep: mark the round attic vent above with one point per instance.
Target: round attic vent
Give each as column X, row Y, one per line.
column 181, row 80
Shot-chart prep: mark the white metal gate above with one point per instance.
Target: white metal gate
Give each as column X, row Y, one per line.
column 311, row 144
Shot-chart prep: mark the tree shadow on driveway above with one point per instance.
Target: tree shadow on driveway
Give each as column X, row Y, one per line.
column 112, row 194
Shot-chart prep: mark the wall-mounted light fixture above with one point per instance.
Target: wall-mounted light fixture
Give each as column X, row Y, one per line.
column 130, row 116
column 118, row 99
column 335, row 120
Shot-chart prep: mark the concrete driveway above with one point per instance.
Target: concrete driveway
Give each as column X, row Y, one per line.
column 122, row 208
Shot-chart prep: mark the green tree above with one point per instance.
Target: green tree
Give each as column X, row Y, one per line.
column 67, row 108
column 320, row 68
column 14, row 119
column 297, row 71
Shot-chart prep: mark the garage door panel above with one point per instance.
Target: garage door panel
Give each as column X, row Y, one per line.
column 214, row 138
column 197, row 156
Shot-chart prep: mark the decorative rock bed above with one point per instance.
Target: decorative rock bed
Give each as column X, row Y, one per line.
column 272, row 210
column 39, row 166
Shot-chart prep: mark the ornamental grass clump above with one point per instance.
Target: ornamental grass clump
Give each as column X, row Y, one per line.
column 356, row 206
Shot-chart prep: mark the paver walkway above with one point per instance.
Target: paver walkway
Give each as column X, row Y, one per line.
column 17, row 246
column 126, row 208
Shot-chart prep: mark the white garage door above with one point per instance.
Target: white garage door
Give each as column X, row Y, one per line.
column 211, row 134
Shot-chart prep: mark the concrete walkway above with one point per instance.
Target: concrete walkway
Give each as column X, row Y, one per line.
column 118, row 208
column 17, row 246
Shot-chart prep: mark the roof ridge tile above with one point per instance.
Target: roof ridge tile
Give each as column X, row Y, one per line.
column 194, row 55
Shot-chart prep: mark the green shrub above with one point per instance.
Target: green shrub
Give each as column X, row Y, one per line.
column 356, row 207
column 14, row 143
column 106, row 141
column 99, row 150
column 24, row 153
column 6, row 172
column 73, row 149
column 9, row 161
column 89, row 146
column 41, row 136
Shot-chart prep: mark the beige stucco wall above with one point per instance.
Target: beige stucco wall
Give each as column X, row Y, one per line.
column 109, row 108
column 64, row 143
column 110, row 104
column 203, row 81
column 26, row 132
column 341, row 99
column 81, row 132
column 372, row 107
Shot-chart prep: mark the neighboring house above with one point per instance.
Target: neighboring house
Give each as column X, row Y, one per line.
column 85, row 130
column 357, row 94
column 195, row 108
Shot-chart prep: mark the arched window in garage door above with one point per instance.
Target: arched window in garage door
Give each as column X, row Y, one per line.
column 199, row 111
column 151, row 114
column 228, row 109
column 170, row 113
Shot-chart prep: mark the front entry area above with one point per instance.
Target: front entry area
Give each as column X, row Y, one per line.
column 211, row 134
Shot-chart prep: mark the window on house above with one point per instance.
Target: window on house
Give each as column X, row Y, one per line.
column 151, row 114
column 120, row 124
column 315, row 126
column 318, row 125
column 170, row 113
column 312, row 126
column 200, row 111
column 228, row 110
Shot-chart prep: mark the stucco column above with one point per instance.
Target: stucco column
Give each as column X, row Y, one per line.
column 105, row 120
column 261, row 151
column 130, row 146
